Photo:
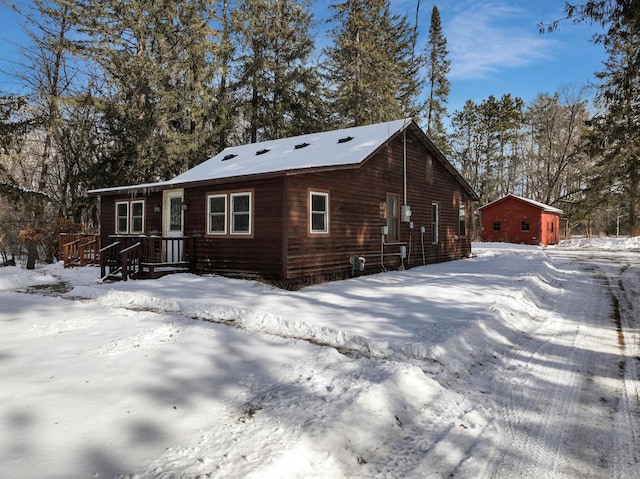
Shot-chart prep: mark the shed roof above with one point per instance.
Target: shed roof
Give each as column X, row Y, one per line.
column 537, row 204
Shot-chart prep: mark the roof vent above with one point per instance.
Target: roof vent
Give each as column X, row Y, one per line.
column 345, row 139
column 228, row 157
column 262, row 152
column 301, row 145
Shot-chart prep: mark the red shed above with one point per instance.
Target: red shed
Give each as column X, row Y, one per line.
column 324, row 205
column 513, row 219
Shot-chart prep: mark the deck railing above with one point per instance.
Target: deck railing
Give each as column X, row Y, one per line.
column 132, row 257
column 79, row 249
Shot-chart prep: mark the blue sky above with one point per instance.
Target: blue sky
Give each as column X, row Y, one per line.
column 494, row 47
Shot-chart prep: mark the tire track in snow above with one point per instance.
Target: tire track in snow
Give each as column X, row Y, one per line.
column 625, row 297
column 556, row 412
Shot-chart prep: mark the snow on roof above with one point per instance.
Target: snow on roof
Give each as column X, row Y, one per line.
column 332, row 148
column 542, row 206
column 347, row 146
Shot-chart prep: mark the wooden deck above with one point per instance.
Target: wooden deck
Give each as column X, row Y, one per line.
column 145, row 257
column 128, row 257
column 79, row 249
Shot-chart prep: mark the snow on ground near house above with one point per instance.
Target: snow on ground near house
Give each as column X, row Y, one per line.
column 203, row 376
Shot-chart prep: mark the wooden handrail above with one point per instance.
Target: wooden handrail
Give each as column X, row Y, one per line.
column 108, row 247
column 111, row 258
column 141, row 254
column 129, row 259
column 78, row 248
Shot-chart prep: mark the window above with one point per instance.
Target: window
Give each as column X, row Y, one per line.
column 129, row 217
column 175, row 213
column 319, row 212
column 525, row 226
column 217, row 211
column 435, row 223
column 496, row 226
column 122, row 218
column 429, row 170
column 241, row 213
column 229, row 213
column 392, row 216
column 137, row 217
column 462, row 220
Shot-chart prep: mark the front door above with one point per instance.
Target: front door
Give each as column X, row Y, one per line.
column 173, row 225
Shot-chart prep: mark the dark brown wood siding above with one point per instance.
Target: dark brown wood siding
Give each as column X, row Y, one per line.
column 282, row 247
column 357, row 198
column 152, row 218
column 260, row 254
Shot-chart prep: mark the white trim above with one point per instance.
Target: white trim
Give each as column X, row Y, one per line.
column 224, row 214
column 119, row 217
column 435, row 223
column 233, row 213
column 324, row 213
column 129, row 218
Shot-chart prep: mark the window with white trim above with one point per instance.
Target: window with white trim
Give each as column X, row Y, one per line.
column 130, row 217
column 241, row 213
column 217, row 213
column 230, row 213
column 318, row 212
column 392, row 216
column 137, row 217
column 462, row 220
column 435, row 223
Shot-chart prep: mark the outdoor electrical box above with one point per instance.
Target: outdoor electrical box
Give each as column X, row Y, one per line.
column 405, row 213
column 385, row 230
column 358, row 263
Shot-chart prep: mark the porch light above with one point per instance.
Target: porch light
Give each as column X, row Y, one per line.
column 157, row 208
column 184, row 205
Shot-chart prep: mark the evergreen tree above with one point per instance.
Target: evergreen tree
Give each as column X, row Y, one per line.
column 371, row 71
column 157, row 60
column 615, row 136
column 278, row 86
column 437, row 83
column 488, row 144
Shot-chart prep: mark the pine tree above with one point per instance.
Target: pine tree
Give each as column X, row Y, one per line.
column 278, row 85
column 156, row 58
column 371, row 71
column 437, row 83
column 615, row 136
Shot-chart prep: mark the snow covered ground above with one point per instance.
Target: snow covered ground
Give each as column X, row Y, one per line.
column 467, row 369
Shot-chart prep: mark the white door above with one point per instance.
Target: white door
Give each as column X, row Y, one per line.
column 173, row 225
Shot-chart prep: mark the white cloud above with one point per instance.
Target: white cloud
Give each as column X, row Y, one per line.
column 484, row 39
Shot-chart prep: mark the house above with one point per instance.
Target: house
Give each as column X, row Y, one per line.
column 324, row 205
column 513, row 219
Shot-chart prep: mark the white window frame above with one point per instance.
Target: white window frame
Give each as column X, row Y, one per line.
column 230, row 213
column 128, row 217
column 120, row 217
column 324, row 213
column 233, row 213
column 435, row 223
column 462, row 220
column 141, row 217
column 224, row 214
column 392, row 215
